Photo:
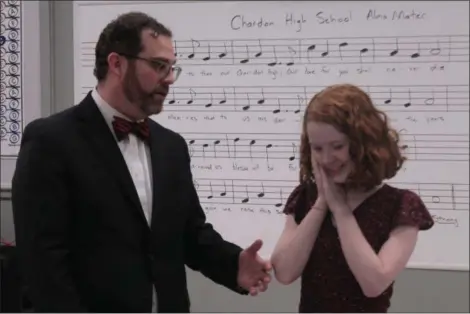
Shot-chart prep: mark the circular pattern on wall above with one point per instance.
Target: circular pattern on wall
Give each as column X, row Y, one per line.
column 10, row 72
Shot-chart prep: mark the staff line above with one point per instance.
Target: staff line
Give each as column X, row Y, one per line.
column 319, row 38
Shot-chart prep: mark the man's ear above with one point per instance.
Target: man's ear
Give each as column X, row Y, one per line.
column 116, row 64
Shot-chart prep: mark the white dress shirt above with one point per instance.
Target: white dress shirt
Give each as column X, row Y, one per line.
column 136, row 153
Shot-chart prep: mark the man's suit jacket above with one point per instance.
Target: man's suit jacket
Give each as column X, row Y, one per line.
column 83, row 239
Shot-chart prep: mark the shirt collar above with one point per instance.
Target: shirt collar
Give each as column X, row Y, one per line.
column 107, row 111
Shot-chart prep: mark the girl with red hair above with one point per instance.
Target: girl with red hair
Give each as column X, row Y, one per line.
column 347, row 233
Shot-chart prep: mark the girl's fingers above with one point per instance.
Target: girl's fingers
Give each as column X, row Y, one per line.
column 319, row 178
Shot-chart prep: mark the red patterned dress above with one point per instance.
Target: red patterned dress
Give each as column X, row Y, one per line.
column 328, row 284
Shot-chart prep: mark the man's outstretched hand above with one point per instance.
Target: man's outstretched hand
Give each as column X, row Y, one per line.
column 253, row 272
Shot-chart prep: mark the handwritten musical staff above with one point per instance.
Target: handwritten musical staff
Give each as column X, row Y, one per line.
column 436, row 196
column 283, row 146
column 293, row 99
column 305, row 51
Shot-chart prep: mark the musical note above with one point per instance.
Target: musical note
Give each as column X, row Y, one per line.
column 235, row 141
column 268, row 146
column 281, row 199
column 208, row 57
column 408, row 103
column 261, row 194
column 327, row 52
column 247, row 198
column 209, row 104
column 389, row 99
column 262, row 99
column 204, row 146
column 301, row 102
column 252, row 142
column 210, row 194
column 192, row 94
column 274, row 62
column 224, row 97
column 224, row 52
column 247, row 55
column 194, row 44
column 260, row 53
column 294, row 152
column 224, row 192
column 191, row 149
column 430, row 100
column 437, row 50
column 172, row 100
column 362, row 52
column 341, row 45
column 175, row 44
column 248, row 103
column 417, row 54
column 278, row 108
column 216, row 142
column 292, row 53
column 310, row 50
column 396, row 50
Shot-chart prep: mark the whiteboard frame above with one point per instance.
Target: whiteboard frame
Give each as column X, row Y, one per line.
column 76, row 49
column 446, row 267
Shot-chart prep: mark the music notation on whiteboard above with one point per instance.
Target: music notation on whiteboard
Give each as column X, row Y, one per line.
column 250, row 71
column 351, row 50
column 436, row 196
column 283, row 146
column 277, row 99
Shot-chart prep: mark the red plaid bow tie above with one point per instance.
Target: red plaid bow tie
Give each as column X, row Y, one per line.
column 123, row 127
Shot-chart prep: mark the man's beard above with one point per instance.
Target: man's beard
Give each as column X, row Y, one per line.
column 136, row 95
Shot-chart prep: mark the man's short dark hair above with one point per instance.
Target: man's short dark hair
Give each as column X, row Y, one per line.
column 123, row 35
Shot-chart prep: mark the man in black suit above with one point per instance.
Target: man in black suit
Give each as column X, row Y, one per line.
column 105, row 210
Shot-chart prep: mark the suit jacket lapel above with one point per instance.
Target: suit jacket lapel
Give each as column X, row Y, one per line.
column 99, row 135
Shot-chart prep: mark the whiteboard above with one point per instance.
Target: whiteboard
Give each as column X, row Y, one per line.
column 20, row 98
column 250, row 67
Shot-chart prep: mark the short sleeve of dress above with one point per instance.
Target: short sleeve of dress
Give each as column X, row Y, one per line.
column 292, row 200
column 299, row 201
column 413, row 212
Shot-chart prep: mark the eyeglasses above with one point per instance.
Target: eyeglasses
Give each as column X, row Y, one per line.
column 162, row 68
